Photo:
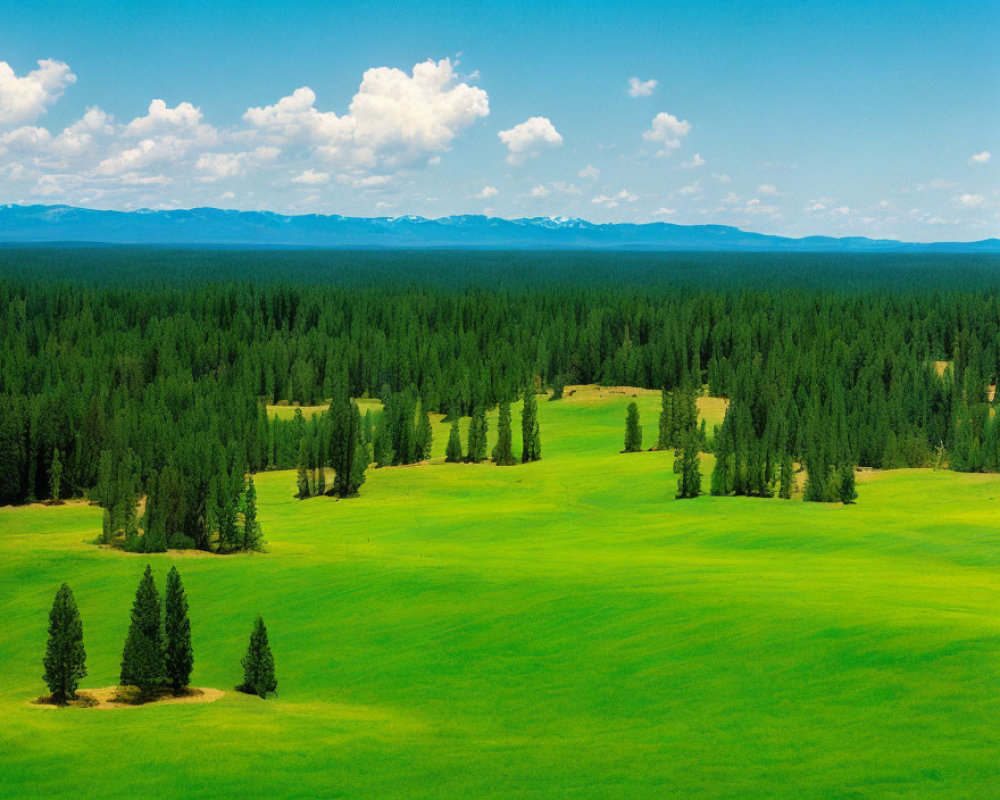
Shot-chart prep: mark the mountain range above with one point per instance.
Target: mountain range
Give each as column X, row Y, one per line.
column 20, row 224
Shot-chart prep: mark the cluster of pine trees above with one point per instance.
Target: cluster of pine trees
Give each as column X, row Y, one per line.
column 147, row 374
column 158, row 655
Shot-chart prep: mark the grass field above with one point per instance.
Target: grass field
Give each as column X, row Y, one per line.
column 561, row 629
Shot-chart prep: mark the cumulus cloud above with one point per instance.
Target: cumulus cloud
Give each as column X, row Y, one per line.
column 971, row 200
column 980, row 158
column 395, row 118
column 553, row 187
column 723, row 178
column 591, row 172
column 663, row 211
column 696, row 161
column 27, row 98
column 488, row 191
column 767, row 189
column 527, row 138
column 638, row 88
column 667, row 132
column 613, row 201
column 217, row 166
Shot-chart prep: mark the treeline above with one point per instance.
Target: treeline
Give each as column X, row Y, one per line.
column 163, row 362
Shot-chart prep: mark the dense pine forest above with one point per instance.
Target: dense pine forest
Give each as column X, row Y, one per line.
column 139, row 377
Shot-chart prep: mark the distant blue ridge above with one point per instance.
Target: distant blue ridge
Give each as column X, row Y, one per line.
column 219, row 227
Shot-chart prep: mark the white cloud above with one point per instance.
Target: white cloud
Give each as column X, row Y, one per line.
column 488, row 191
column 696, row 161
column 525, row 139
column 663, row 211
column 667, row 132
column 311, row 177
column 971, row 200
column 980, row 158
column 216, row 166
column 554, row 187
column 723, row 178
column 613, row 201
column 394, row 119
column 589, row 171
column 161, row 119
column 691, row 188
column 638, row 88
column 767, row 189
column 25, row 99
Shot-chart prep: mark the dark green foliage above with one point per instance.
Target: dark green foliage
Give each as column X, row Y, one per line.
column 503, row 452
column 347, row 451
column 453, row 453
column 178, row 654
column 633, row 430
column 848, row 494
column 55, row 476
column 258, row 664
column 478, row 428
column 131, row 367
column 558, row 386
column 253, row 537
column 687, row 467
column 302, row 475
column 423, row 436
column 787, row 478
column 143, row 655
column 65, row 659
column 530, row 431
column 723, row 472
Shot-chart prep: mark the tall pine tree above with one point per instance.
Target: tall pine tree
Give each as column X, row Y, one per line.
column 258, row 663
column 531, row 449
column 453, row 453
column 143, row 656
column 503, row 453
column 633, row 430
column 65, row 659
column 179, row 656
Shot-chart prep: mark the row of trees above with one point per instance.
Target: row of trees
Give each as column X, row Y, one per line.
column 752, row 455
column 158, row 655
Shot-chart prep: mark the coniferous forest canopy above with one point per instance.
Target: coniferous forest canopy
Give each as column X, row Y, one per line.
column 132, row 373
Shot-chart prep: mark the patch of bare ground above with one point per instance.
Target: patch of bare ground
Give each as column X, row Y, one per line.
column 129, row 697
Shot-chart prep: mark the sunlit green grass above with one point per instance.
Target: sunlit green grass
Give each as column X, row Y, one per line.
column 561, row 629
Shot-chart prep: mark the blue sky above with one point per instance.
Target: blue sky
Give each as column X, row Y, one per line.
column 876, row 119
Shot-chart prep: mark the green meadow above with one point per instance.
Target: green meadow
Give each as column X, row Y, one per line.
column 560, row 629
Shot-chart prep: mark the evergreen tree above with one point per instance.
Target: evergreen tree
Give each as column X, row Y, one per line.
column 689, row 471
column 531, row 439
column 253, row 538
column 258, row 664
column 633, row 430
column 55, row 475
column 478, row 429
column 664, row 439
column 503, row 453
column 848, row 494
column 787, row 478
column 143, row 656
column 453, row 453
column 359, row 460
column 302, row 476
column 179, row 657
column 423, row 435
column 65, row 659
column 558, row 386
column 722, row 472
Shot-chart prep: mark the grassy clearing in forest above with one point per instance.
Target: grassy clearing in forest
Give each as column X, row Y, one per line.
column 560, row 629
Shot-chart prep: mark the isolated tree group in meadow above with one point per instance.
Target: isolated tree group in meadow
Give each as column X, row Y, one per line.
column 158, row 654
